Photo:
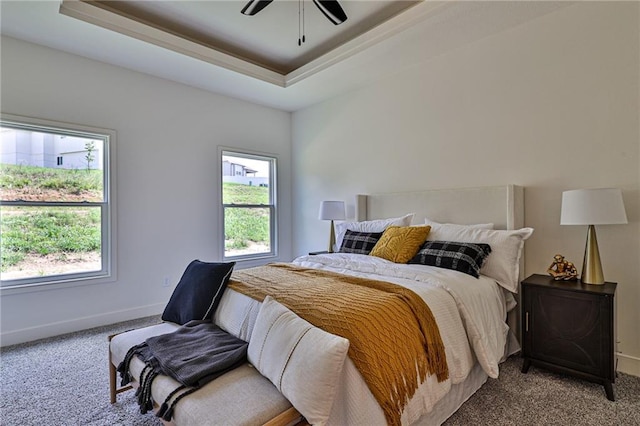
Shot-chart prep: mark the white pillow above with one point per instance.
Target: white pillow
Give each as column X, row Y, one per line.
column 369, row 226
column 428, row 221
column 503, row 264
column 301, row 360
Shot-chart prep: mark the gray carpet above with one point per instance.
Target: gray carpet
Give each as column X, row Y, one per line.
column 544, row 398
column 64, row 381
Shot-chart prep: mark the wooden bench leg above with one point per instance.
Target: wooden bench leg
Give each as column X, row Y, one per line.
column 113, row 377
column 285, row 418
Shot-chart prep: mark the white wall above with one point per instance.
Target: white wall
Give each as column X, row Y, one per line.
column 550, row 105
column 168, row 178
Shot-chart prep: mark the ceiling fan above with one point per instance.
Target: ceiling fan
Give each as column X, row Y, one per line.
column 330, row 8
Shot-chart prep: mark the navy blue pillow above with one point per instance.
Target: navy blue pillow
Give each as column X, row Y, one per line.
column 198, row 293
column 462, row 257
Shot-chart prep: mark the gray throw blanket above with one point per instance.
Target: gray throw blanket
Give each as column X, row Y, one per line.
column 193, row 355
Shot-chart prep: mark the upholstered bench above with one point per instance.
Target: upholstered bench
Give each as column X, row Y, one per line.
column 240, row 397
column 293, row 375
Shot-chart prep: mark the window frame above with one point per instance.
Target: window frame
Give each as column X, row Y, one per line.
column 273, row 210
column 107, row 273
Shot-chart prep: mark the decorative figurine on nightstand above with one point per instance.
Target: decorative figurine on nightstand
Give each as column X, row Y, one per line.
column 560, row 269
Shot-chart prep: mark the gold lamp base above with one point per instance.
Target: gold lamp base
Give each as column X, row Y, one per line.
column 591, row 265
column 332, row 238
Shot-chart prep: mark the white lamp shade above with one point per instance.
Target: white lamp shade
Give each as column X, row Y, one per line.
column 331, row 210
column 603, row 206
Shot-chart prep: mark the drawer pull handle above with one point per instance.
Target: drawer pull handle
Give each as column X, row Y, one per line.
column 526, row 322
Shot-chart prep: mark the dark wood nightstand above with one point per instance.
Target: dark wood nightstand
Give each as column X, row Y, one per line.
column 313, row 253
column 568, row 327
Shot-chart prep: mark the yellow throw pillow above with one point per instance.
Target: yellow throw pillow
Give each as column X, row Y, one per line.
column 400, row 244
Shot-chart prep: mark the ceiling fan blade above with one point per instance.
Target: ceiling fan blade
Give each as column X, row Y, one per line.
column 254, row 6
column 332, row 10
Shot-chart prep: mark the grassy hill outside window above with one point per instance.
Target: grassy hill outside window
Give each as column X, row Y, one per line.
column 55, row 209
column 248, row 205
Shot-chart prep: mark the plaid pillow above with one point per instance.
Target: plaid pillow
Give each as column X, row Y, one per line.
column 359, row 242
column 463, row 257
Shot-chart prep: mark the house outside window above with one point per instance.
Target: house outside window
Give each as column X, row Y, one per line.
column 55, row 215
column 248, row 205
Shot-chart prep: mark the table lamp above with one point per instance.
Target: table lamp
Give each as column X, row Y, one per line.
column 331, row 210
column 603, row 206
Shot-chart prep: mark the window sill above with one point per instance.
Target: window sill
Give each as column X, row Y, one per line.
column 55, row 285
column 243, row 263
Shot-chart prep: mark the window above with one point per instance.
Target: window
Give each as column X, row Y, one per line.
column 248, row 205
column 54, row 215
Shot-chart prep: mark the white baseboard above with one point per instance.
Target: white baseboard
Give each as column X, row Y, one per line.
column 62, row 327
column 628, row 364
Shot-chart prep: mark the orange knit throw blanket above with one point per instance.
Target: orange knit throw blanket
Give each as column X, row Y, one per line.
column 395, row 341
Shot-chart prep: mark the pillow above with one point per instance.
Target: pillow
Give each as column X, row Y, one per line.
column 302, row 361
column 369, row 226
column 428, row 221
column 359, row 242
column 463, row 257
column 198, row 293
column 503, row 264
column 400, row 244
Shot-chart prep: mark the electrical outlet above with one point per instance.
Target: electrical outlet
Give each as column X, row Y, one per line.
column 165, row 283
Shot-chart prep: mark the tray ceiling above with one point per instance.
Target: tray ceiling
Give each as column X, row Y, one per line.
column 265, row 45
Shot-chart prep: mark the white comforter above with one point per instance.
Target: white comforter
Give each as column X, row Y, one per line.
column 470, row 314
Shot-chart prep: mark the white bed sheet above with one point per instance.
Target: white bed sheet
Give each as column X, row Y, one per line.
column 470, row 314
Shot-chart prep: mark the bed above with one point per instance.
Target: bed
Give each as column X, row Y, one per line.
column 471, row 314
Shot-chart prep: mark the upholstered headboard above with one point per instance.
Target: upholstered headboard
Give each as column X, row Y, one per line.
column 500, row 205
